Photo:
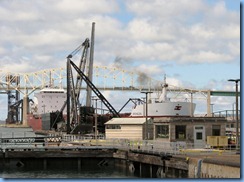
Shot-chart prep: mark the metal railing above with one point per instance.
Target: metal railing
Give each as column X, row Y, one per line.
column 146, row 146
column 229, row 114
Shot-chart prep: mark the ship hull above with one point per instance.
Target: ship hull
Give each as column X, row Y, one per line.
column 34, row 121
column 162, row 109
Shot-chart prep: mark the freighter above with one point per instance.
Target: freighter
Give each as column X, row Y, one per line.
column 48, row 100
column 47, row 103
column 163, row 107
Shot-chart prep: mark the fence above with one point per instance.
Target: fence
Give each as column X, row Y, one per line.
column 230, row 114
column 77, row 141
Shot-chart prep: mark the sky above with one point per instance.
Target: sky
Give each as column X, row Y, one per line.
column 195, row 43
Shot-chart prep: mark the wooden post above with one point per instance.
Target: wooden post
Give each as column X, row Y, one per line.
column 79, row 164
column 151, row 171
column 140, row 169
column 44, row 164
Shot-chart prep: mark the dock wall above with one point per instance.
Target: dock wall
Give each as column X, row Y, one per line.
column 148, row 165
column 212, row 168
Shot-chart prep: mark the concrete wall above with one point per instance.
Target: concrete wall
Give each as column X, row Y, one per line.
column 199, row 168
column 219, row 171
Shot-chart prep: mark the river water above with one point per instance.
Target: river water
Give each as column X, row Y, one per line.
column 89, row 171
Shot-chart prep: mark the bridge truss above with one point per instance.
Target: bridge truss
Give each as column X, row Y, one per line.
column 104, row 78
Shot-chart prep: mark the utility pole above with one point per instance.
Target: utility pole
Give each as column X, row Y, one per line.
column 237, row 123
column 95, row 99
column 146, row 128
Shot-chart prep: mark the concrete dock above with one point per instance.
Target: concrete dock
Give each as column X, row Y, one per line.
column 146, row 163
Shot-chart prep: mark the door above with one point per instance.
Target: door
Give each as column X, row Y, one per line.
column 199, row 136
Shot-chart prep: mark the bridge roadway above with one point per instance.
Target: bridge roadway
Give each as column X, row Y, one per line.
column 3, row 90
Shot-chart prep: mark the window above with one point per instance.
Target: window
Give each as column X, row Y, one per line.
column 180, row 132
column 198, row 127
column 113, row 126
column 162, row 131
column 199, row 135
column 216, row 130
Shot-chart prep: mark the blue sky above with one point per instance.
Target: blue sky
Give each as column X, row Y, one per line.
column 195, row 43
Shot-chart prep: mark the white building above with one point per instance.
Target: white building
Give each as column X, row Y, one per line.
column 129, row 128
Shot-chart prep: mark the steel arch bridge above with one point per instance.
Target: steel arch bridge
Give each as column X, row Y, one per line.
column 104, row 78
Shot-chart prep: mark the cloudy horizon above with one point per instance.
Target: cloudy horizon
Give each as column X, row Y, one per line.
column 196, row 43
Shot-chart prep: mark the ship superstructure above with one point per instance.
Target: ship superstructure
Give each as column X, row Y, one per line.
column 49, row 100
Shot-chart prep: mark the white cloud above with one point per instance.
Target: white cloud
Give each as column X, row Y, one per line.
column 207, row 57
column 201, row 32
column 154, row 51
column 174, row 82
column 156, row 33
column 87, row 7
column 144, row 30
column 230, row 31
column 40, row 34
column 11, row 11
column 165, row 9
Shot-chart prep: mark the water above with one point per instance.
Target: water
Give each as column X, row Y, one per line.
column 89, row 171
column 71, row 174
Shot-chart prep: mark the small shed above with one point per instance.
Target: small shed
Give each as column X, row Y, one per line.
column 129, row 128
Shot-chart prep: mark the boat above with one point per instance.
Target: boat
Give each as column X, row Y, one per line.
column 163, row 107
column 48, row 100
column 46, row 107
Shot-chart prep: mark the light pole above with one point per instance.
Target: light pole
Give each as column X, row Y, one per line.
column 95, row 99
column 146, row 128
column 233, row 110
column 237, row 123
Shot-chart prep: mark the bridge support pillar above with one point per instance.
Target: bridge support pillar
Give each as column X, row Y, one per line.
column 25, row 110
column 208, row 103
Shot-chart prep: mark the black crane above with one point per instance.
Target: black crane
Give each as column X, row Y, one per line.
column 95, row 90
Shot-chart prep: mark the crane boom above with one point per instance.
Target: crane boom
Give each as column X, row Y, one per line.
column 95, row 90
column 82, row 67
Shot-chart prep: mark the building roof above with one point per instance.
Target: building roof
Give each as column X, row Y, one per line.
column 126, row 121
